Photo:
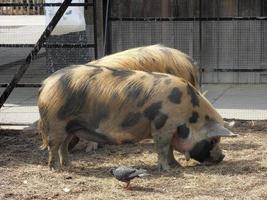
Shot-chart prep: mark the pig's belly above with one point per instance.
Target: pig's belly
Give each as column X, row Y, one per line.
column 128, row 136
column 115, row 135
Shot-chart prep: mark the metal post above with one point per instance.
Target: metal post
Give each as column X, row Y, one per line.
column 200, row 43
column 217, row 40
column 261, row 33
column 108, row 46
column 34, row 52
column 100, row 28
column 95, row 28
column 106, row 27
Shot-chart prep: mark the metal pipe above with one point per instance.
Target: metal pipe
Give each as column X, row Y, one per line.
column 106, row 26
column 95, row 28
column 200, row 43
column 41, row 4
column 22, row 85
column 186, row 18
column 55, row 45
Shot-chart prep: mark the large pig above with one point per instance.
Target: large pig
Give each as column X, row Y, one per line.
column 153, row 58
column 116, row 106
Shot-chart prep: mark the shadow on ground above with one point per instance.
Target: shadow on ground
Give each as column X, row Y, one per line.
column 23, row 149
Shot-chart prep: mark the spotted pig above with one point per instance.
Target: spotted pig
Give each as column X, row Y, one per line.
column 116, row 106
column 152, row 58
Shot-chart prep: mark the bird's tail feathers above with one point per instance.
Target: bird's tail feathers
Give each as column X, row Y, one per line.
column 143, row 175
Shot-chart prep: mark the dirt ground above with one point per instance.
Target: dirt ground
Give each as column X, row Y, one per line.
column 242, row 175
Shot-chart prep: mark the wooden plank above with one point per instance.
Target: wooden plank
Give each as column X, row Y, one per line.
column 250, row 8
column 208, row 8
column 228, row 8
column 165, row 8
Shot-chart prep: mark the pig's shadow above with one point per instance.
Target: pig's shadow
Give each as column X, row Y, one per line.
column 237, row 167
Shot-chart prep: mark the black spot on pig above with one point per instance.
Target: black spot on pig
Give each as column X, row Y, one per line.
column 99, row 112
column 194, row 117
column 167, row 81
column 193, row 94
column 152, row 111
column 182, row 131
column 156, row 82
column 114, row 96
column 96, row 71
column 133, row 90
column 169, row 70
column 160, row 120
column 74, row 98
column 121, row 73
column 145, row 97
column 131, row 119
column 175, row 96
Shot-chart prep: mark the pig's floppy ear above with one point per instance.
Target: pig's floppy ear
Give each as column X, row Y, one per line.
column 216, row 130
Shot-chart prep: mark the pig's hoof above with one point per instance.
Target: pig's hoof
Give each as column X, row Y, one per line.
column 66, row 167
column 65, row 163
column 163, row 168
column 53, row 166
column 91, row 146
column 174, row 164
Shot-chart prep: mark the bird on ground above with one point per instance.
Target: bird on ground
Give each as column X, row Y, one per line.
column 126, row 174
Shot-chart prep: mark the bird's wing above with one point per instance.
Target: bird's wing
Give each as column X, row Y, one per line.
column 123, row 173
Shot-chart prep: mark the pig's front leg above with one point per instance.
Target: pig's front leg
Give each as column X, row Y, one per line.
column 163, row 138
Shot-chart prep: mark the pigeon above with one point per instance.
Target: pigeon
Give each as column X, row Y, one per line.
column 126, row 174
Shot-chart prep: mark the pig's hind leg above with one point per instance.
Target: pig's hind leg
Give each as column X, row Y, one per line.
column 63, row 151
column 55, row 140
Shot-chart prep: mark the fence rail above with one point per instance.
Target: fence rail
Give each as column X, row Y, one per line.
column 30, row 7
column 21, row 7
